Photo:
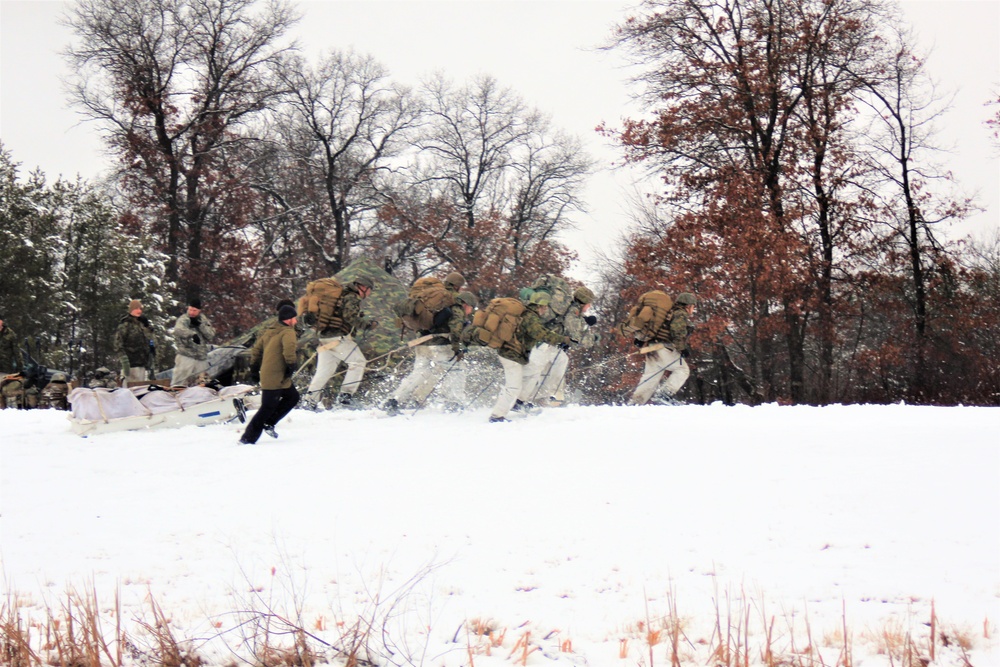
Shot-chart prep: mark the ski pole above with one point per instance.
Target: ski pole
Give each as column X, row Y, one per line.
column 545, row 377
column 454, row 362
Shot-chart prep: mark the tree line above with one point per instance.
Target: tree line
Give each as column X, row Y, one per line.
column 793, row 140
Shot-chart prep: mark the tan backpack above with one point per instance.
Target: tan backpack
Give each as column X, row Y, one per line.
column 647, row 316
column 428, row 296
column 497, row 323
column 323, row 300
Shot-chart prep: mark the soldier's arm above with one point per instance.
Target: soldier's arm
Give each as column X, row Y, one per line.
column 456, row 325
column 288, row 348
column 537, row 332
column 350, row 311
column 182, row 331
column 679, row 330
column 207, row 330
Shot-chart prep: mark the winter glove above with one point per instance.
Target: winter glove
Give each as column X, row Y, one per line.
column 685, row 353
column 639, row 343
column 255, row 374
column 591, row 320
column 289, row 370
column 196, row 339
column 196, row 322
column 459, row 355
column 564, row 346
column 310, row 319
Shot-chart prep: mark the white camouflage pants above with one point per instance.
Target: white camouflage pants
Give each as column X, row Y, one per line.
column 544, row 376
column 664, row 360
column 345, row 350
column 430, row 364
column 516, row 376
column 186, row 370
column 136, row 374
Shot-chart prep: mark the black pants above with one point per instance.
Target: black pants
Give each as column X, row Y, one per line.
column 274, row 405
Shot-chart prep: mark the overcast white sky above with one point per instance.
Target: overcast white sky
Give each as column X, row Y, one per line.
column 540, row 48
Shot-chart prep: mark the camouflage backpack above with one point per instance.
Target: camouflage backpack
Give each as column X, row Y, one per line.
column 12, row 391
column 647, row 316
column 428, row 296
column 559, row 290
column 54, row 394
column 496, row 325
column 322, row 299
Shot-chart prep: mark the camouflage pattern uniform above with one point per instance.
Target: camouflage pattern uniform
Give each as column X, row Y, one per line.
column 669, row 359
column 10, row 353
column 517, row 373
column 341, row 347
column 546, row 380
column 273, row 357
column 192, row 355
column 133, row 342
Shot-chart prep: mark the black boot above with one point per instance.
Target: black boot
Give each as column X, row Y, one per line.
column 391, row 407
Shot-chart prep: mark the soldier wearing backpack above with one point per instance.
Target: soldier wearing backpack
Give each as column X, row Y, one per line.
column 513, row 328
column 439, row 360
column 335, row 313
column 547, row 364
column 669, row 349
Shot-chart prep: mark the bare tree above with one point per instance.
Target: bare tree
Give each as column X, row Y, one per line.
column 343, row 129
column 172, row 84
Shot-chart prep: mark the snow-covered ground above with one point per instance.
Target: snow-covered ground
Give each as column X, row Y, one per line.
column 578, row 530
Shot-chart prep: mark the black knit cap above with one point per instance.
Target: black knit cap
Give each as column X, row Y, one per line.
column 286, row 313
column 195, row 303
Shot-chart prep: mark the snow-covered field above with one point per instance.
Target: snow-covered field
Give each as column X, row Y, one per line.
column 578, row 530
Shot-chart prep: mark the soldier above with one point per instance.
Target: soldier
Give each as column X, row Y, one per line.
column 336, row 344
column 10, row 353
column 547, row 363
column 192, row 333
column 530, row 330
column 134, row 343
column 438, row 359
column 669, row 358
column 102, row 378
column 272, row 362
column 55, row 392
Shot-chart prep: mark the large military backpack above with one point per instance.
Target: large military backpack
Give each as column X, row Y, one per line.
column 428, row 296
column 497, row 323
column 559, row 290
column 647, row 316
column 322, row 299
column 12, row 391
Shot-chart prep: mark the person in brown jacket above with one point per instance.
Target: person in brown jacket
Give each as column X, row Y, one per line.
column 273, row 360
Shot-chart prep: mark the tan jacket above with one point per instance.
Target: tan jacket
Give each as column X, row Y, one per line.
column 274, row 354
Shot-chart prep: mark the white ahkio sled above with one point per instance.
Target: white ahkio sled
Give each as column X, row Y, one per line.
column 96, row 411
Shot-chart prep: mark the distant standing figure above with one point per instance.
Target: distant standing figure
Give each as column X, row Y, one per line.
column 10, row 354
column 272, row 361
column 134, row 343
column 192, row 334
column 669, row 358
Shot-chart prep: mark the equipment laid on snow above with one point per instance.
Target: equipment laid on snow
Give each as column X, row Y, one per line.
column 496, row 325
column 647, row 316
column 427, row 297
column 98, row 411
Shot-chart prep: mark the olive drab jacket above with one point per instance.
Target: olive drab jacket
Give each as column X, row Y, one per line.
column 10, row 353
column 185, row 332
column 529, row 332
column 273, row 355
column 132, row 338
